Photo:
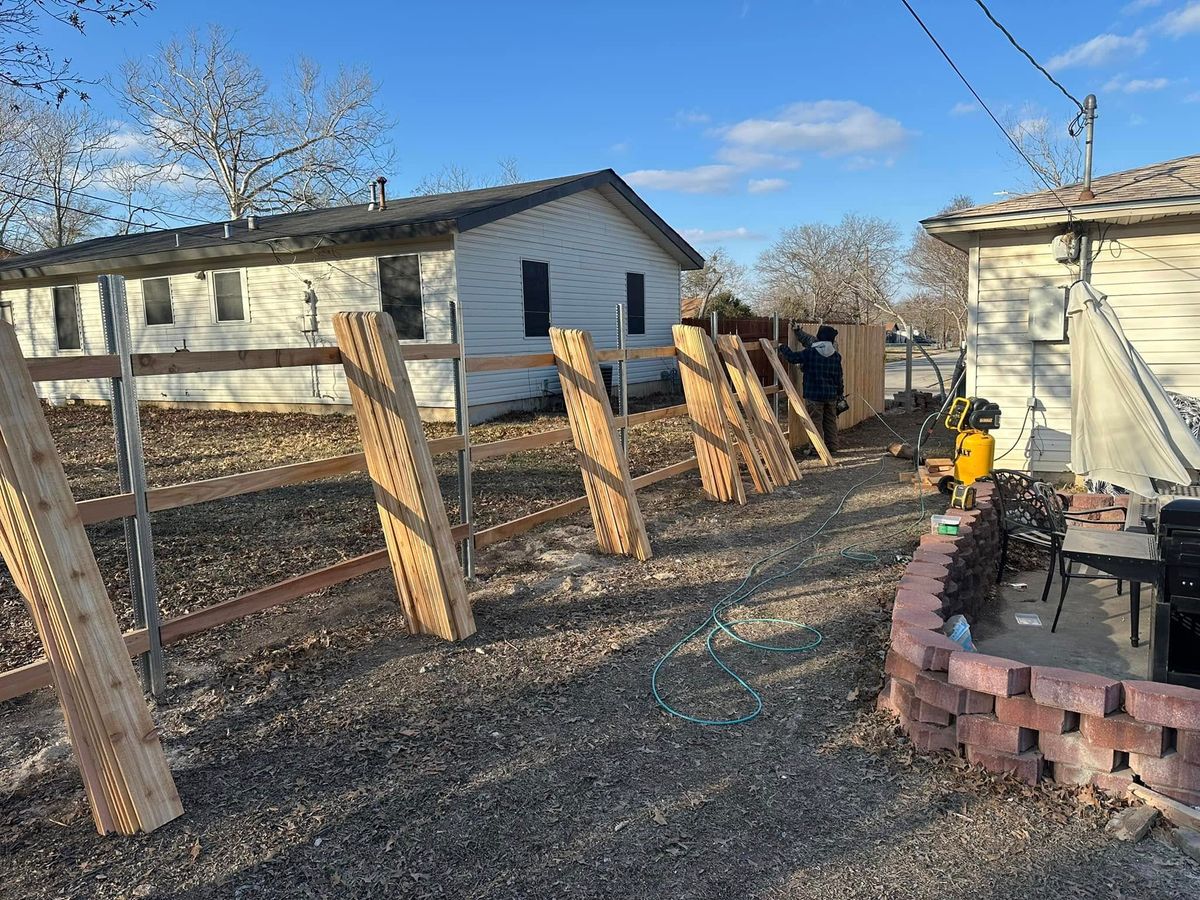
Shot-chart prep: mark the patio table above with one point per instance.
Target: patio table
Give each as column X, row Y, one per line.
column 1129, row 555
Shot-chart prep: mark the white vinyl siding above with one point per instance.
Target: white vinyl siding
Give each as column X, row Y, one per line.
column 1151, row 274
column 589, row 245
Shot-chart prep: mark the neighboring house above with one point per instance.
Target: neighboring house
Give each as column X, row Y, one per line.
column 516, row 258
column 1144, row 227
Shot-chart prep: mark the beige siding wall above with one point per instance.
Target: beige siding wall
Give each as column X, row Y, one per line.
column 589, row 246
column 1151, row 273
column 274, row 300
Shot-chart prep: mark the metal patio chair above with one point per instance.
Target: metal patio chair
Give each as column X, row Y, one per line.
column 1033, row 513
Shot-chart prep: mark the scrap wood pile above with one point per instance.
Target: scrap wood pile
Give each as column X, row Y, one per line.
column 930, row 473
column 42, row 540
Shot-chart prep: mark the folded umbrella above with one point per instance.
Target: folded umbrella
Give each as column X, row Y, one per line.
column 1124, row 428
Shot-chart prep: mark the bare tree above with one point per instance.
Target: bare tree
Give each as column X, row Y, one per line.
column 1051, row 154
column 31, row 66
column 16, row 172
column 138, row 191
column 210, row 112
column 823, row 272
column 69, row 152
column 939, row 272
column 721, row 274
column 452, row 178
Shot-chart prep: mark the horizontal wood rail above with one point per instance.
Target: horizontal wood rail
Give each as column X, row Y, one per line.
column 34, row 675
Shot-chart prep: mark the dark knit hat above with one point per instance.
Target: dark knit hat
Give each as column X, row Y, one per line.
column 826, row 333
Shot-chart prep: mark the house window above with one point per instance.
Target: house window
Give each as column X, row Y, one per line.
column 156, row 297
column 66, row 318
column 535, row 286
column 635, row 302
column 400, row 294
column 229, row 294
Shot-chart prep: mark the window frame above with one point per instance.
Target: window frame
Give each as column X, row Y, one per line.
column 424, row 338
column 170, row 301
column 549, row 301
column 74, row 288
column 212, row 290
column 628, row 315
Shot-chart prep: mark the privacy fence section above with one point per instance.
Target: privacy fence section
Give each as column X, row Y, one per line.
column 861, row 347
column 87, row 659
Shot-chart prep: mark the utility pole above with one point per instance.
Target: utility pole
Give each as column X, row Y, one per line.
column 1085, row 195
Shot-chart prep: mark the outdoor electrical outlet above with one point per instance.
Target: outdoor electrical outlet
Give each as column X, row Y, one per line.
column 1031, row 402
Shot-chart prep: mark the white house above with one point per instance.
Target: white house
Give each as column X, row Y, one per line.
column 1144, row 230
column 515, row 258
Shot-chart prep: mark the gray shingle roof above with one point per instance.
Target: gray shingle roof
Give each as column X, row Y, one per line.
column 1170, row 180
column 403, row 219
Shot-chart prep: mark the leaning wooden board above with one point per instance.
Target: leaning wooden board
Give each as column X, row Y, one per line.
column 711, row 433
column 760, row 415
column 796, row 406
column 125, row 773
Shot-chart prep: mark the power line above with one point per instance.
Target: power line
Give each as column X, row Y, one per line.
column 1042, row 178
column 1037, row 65
column 75, row 209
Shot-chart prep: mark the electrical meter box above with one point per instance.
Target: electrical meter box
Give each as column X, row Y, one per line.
column 1047, row 313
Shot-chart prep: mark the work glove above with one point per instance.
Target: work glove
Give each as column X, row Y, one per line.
column 803, row 336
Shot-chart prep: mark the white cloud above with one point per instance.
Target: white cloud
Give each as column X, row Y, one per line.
column 126, row 142
column 831, row 127
column 1185, row 20
column 690, row 117
column 1122, row 85
column 719, row 235
column 766, row 185
column 712, row 179
column 1100, row 51
column 745, row 158
column 863, row 163
column 1138, row 5
column 964, row 109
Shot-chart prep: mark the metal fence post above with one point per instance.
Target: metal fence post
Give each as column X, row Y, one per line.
column 623, row 375
column 777, row 398
column 462, row 415
column 713, row 322
column 910, row 401
column 131, row 468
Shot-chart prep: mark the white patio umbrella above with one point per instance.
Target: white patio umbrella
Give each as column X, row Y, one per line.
column 1124, row 428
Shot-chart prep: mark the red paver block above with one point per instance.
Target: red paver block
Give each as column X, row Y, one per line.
column 1074, row 750
column 934, row 557
column 928, row 738
column 1027, row 767
column 929, row 714
column 1121, row 731
column 1117, row 782
column 904, row 701
column 1171, row 770
column 935, row 689
column 989, row 674
column 926, row 649
column 883, row 700
column 1023, row 710
column 927, row 570
column 920, row 583
column 899, row 667
column 1187, row 743
column 914, row 618
column 1171, row 705
column 988, row 731
column 1080, row 692
column 924, row 601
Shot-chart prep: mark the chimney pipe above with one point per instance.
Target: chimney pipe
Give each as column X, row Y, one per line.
column 1089, row 121
column 228, row 231
column 374, row 196
column 382, row 192
column 251, row 222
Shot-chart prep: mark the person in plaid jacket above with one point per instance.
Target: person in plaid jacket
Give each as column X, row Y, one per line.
column 824, row 385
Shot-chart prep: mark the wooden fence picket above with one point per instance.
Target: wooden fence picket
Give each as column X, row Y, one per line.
column 760, row 415
column 711, row 432
column 797, row 411
column 612, row 500
column 415, row 526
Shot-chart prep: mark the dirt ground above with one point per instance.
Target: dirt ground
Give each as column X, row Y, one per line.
column 320, row 752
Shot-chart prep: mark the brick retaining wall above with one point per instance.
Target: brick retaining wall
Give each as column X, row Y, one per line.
column 1032, row 721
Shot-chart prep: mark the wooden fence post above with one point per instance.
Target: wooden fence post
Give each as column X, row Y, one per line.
column 424, row 563
column 616, row 515
column 760, row 416
column 125, row 773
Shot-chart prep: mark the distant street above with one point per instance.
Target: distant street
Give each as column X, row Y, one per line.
column 924, row 376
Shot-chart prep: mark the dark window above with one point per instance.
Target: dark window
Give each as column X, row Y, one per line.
column 156, row 296
column 400, row 290
column 535, row 285
column 227, row 289
column 635, row 302
column 66, row 318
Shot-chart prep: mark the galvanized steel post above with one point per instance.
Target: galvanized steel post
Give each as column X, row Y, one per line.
column 623, row 375
column 462, row 415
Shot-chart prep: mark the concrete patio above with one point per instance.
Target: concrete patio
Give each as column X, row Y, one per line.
column 1093, row 633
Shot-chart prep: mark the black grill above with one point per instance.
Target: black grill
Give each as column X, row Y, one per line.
column 1175, row 641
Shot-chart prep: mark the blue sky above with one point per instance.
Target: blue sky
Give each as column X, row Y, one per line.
column 733, row 118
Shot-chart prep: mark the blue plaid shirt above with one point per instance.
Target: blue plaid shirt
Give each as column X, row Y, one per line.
column 822, row 374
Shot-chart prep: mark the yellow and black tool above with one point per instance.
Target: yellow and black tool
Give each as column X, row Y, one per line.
column 974, row 448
